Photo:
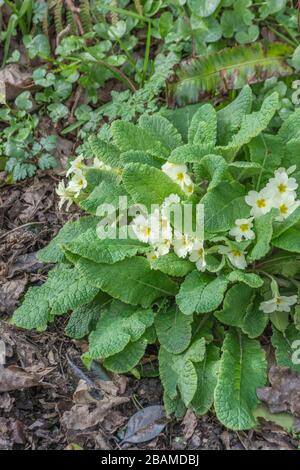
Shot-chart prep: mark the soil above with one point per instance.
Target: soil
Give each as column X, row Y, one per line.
column 38, row 417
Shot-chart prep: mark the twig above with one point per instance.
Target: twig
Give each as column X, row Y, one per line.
column 21, row 226
column 63, row 33
column 75, row 13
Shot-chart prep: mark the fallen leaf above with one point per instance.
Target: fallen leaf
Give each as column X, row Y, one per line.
column 15, row 80
column 10, row 293
column 189, row 424
column 284, row 393
column 16, row 378
column 145, row 425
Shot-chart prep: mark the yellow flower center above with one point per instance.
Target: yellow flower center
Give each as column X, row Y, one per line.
column 200, row 252
column 244, row 227
column 283, row 209
column 180, row 176
column 189, row 188
column 146, row 231
column 282, row 188
column 279, row 301
column 236, row 253
column 261, row 203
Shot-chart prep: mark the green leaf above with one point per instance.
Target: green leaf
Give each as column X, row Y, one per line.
column 223, row 205
column 127, row 137
column 207, row 372
column 137, row 156
column 105, row 193
column 243, row 369
column 250, row 279
column 34, row 310
column 53, row 253
column 282, row 227
column 107, row 153
column 174, row 330
column 162, row 130
column 201, row 293
column 178, row 373
column 286, row 345
column 203, row 128
column 118, row 325
column 148, row 185
column 290, row 129
column 212, row 167
column 263, row 227
column 228, row 69
column 190, row 153
column 230, row 118
column 130, row 280
column 24, row 101
column 128, row 358
column 267, row 150
column 172, row 265
column 241, row 309
column 84, row 319
column 252, row 125
column 108, row 251
column 203, row 8
column 296, row 58
column 288, row 241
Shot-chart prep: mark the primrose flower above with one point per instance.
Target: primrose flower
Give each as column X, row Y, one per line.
column 152, row 256
column 282, row 185
column 65, row 195
column 98, row 164
column 279, row 304
column 243, row 230
column 236, row 257
column 198, row 255
column 260, row 202
column 76, row 165
column 77, row 183
column 141, row 226
column 287, row 205
column 183, row 245
column 178, row 173
column 163, row 247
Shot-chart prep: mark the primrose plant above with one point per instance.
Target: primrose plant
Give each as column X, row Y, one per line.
column 137, row 282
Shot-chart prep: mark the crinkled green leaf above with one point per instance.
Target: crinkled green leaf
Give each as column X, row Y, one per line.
column 174, row 330
column 203, row 128
column 207, row 372
column 118, row 325
column 288, row 241
column 243, row 369
column 201, row 293
column 128, row 136
column 105, row 152
column 172, row 265
column 263, row 227
column 286, row 346
column 162, row 130
column 128, row 358
column 148, row 185
column 223, row 205
column 53, row 253
column 132, row 281
column 251, row 279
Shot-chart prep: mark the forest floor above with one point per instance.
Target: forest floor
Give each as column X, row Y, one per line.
column 43, row 408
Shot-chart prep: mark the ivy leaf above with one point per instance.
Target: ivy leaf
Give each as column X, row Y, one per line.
column 243, row 369
column 284, row 350
column 24, row 101
column 207, row 373
column 201, row 293
column 203, row 8
column 53, row 253
column 174, row 330
column 130, row 280
column 148, row 185
column 223, row 205
column 118, row 325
